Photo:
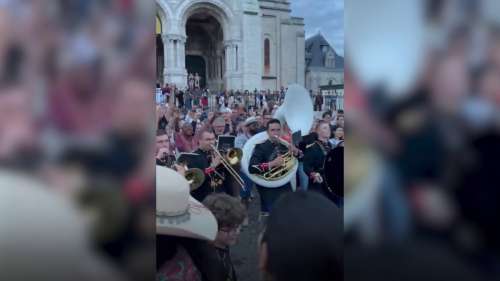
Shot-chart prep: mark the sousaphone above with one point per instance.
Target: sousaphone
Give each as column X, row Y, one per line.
column 297, row 111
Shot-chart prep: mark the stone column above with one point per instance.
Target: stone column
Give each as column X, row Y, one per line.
column 236, row 55
column 182, row 53
column 229, row 56
column 175, row 69
column 167, row 56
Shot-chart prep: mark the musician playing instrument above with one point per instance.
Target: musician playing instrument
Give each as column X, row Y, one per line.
column 266, row 156
column 314, row 158
column 207, row 164
column 164, row 153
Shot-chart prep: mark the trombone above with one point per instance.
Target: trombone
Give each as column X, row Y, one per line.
column 233, row 157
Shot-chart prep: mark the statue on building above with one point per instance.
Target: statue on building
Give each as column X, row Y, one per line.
column 190, row 81
column 197, row 79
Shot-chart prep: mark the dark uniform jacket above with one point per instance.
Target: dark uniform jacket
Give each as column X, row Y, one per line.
column 263, row 154
column 314, row 159
column 206, row 188
column 203, row 163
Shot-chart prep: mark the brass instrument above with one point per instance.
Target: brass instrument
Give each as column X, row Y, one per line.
column 279, row 172
column 232, row 157
column 194, row 176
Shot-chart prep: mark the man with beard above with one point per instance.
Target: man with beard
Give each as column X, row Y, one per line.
column 221, row 128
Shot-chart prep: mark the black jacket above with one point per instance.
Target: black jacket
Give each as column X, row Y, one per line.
column 205, row 189
column 265, row 153
column 314, row 159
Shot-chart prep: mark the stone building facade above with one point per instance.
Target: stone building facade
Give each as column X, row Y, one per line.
column 323, row 65
column 231, row 44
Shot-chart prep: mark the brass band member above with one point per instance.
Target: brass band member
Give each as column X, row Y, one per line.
column 222, row 126
column 210, row 164
column 165, row 155
column 266, row 156
column 314, row 157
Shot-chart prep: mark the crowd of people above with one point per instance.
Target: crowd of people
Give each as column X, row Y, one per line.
column 194, row 97
column 194, row 129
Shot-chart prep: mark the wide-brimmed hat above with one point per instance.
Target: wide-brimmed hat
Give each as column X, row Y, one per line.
column 177, row 213
column 36, row 220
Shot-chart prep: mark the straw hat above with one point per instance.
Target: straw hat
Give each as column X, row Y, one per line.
column 177, row 213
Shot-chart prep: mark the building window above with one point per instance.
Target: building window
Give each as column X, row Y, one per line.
column 330, row 59
column 267, row 58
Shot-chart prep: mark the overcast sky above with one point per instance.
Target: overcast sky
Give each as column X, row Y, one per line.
column 326, row 16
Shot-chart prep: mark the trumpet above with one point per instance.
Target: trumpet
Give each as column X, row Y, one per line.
column 232, row 157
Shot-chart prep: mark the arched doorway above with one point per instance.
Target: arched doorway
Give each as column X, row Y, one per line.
column 160, row 54
column 196, row 64
column 205, row 49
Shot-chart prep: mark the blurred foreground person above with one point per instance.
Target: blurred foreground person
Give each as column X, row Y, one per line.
column 312, row 247
column 181, row 224
column 414, row 261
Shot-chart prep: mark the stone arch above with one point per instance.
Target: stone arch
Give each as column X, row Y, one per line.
column 165, row 14
column 216, row 8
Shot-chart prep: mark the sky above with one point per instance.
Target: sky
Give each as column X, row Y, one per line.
column 326, row 16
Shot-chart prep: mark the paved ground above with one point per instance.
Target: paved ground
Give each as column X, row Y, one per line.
column 244, row 253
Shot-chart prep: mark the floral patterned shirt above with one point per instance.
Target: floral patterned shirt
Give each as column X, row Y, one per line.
column 179, row 268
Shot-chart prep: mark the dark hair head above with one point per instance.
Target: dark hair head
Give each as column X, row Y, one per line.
column 304, row 238
column 272, row 121
column 326, row 113
column 160, row 132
